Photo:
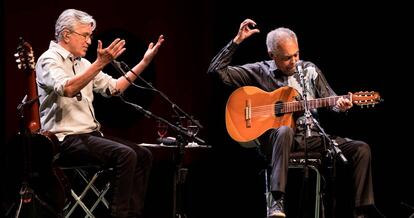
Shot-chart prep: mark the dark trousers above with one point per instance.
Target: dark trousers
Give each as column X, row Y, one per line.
column 278, row 143
column 131, row 164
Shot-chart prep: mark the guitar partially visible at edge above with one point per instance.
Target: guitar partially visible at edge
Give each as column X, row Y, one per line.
column 251, row 111
column 39, row 147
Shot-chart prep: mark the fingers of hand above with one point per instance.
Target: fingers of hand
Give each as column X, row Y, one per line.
column 248, row 27
column 119, row 45
column 150, row 45
column 115, row 49
column 344, row 103
column 117, row 54
column 99, row 44
column 114, row 43
column 160, row 40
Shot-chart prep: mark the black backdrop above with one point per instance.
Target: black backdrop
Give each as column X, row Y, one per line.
column 358, row 47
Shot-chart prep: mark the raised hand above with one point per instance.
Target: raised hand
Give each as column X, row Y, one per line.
column 106, row 55
column 152, row 50
column 246, row 29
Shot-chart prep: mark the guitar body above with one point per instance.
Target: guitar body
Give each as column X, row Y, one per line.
column 31, row 165
column 263, row 118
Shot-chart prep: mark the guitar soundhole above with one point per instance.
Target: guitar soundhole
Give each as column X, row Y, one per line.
column 279, row 109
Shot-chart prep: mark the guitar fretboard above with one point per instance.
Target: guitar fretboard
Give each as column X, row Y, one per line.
column 288, row 107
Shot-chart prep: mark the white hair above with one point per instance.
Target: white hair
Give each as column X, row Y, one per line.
column 276, row 36
column 69, row 18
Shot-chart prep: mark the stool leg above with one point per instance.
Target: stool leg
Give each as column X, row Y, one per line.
column 268, row 194
column 317, row 187
column 317, row 190
column 78, row 199
column 79, row 202
column 101, row 197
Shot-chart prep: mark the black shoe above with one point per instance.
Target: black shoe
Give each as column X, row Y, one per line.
column 361, row 212
column 276, row 209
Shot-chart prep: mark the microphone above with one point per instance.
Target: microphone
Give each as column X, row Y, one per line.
column 308, row 115
column 341, row 156
column 299, row 67
column 339, row 152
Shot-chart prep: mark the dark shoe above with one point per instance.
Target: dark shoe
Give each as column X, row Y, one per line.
column 277, row 209
column 361, row 212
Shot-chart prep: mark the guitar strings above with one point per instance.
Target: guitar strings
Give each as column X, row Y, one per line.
column 285, row 107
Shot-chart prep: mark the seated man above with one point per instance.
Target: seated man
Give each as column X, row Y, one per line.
column 66, row 82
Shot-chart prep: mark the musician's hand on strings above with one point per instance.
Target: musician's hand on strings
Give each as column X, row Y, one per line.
column 344, row 104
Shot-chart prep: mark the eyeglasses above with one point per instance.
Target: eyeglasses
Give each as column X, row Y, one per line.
column 86, row 36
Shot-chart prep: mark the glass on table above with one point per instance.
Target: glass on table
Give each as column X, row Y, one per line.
column 162, row 129
column 192, row 130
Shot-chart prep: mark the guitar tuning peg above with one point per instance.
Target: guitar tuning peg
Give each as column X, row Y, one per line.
column 16, row 54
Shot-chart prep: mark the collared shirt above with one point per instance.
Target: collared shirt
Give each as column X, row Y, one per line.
column 64, row 115
column 266, row 76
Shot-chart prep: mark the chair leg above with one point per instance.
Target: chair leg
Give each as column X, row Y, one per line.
column 317, row 188
column 101, row 197
column 318, row 191
column 268, row 194
column 99, row 194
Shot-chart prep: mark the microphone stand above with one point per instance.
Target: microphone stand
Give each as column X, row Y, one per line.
column 181, row 172
column 333, row 152
column 174, row 106
column 149, row 114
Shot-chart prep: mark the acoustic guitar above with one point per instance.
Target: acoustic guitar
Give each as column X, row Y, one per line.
column 45, row 180
column 251, row 111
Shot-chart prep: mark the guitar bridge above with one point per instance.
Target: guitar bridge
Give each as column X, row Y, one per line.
column 248, row 113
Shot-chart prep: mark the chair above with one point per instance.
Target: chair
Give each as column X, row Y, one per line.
column 297, row 161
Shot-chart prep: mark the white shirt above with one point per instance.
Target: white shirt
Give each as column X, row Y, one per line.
column 63, row 115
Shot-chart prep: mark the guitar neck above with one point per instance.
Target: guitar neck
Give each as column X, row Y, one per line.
column 32, row 117
column 312, row 104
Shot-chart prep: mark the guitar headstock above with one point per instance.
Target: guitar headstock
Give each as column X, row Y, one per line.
column 366, row 98
column 24, row 56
